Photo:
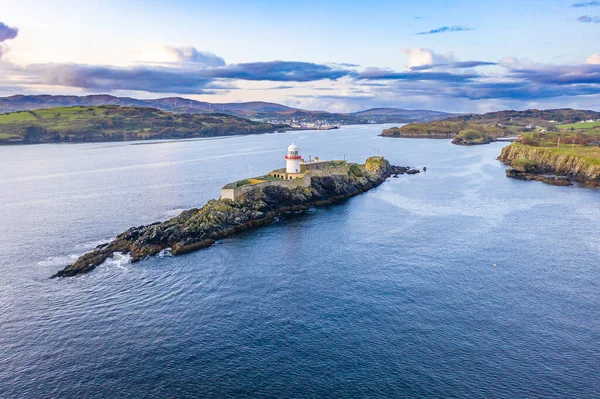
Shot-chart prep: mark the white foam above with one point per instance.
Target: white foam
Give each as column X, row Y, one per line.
column 165, row 253
column 60, row 260
column 118, row 260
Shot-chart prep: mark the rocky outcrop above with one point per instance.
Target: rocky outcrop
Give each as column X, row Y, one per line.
column 404, row 132
column 199, row 228
column 472, row 138
column 554, row 180
column 554, row 166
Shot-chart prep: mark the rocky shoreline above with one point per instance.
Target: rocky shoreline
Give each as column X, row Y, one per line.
column 195, row 229
column 549, row 166
column 397, row 132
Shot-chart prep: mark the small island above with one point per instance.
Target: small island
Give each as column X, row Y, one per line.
column 245, row 205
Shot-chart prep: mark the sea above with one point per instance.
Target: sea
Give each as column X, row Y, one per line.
column 453, row 283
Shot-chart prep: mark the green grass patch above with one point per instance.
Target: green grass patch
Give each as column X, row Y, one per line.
column 114, row 123
column 580, row 125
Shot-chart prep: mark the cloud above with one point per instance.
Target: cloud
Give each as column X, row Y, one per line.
column 7, row 33
column 593, row 59
column 337, row 97
column 586, row 4
column 183, row 79
column 424, row 56
column 108, row 78
column 386, row 74
column 454, row 65
column 190, row 54
column 278, row 71
column 423, row 59
column 444, row 29
column 587, row 19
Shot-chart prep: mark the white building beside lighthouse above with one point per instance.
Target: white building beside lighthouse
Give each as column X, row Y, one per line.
column 296, row 167
column 292, row 159
column 297, row 173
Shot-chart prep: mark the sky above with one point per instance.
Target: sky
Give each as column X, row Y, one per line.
column 338, row 56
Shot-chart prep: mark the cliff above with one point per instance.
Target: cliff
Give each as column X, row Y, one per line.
column 199, row 228
column 528, row 161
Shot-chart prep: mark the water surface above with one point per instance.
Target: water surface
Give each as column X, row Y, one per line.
column 454, row 283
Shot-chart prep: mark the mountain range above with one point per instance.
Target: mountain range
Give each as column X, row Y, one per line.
column 271, row 112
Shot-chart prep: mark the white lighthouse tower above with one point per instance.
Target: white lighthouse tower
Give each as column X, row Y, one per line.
column 292, row 159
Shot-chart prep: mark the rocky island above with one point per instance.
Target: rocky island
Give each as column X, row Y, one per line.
column 245, row 205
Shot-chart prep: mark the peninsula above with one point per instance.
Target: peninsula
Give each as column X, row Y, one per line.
column 245, row 205
column 116, row 123
column 557, row 158
column 476, row 129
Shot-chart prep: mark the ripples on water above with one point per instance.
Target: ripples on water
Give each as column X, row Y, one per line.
column 393, row 293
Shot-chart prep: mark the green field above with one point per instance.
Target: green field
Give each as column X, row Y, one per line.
column 533, row 125
column 578, row 143
column 579, row 125
column 114, row 123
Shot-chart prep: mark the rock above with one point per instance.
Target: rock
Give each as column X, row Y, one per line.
column 557, row 181
column 554, row 180
column 195, row 229
column 549, row 161
column 413, row 171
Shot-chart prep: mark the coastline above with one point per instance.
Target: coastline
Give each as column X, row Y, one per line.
column 196, row 229
column 549, row 165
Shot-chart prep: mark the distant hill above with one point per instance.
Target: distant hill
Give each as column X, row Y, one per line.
column 397, row 115
column 117, row 123
column 481, row 129
column 273, row 112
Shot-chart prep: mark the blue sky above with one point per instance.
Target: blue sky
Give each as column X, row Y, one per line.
column 332, row 55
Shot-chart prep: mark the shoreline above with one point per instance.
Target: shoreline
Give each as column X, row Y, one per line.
column 196, row 229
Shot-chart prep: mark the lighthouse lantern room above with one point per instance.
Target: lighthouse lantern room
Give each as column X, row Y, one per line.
column 292, row 164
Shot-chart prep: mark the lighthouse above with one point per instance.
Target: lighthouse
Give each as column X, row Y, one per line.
column 292, row 159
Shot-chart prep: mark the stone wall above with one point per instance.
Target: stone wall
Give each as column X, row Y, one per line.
column 233, row 193
column 340, row 170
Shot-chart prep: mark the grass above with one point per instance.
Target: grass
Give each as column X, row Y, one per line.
column 571, row 143
column 114, row 123
column 591, row 154
column 499, row 124
column 579, row 125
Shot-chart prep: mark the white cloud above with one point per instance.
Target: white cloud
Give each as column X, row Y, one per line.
column 424, row 56
column 515, row 63
column 593, row 59
column 191, row 54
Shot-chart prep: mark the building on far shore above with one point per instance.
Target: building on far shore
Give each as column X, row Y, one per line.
column 296, row 167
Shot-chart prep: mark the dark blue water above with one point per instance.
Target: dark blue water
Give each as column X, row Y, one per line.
column 393, row 293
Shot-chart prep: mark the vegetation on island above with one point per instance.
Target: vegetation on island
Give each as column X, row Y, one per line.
column 482, row 129
column 570, row 152
column 116, row 123
column 195, row 229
